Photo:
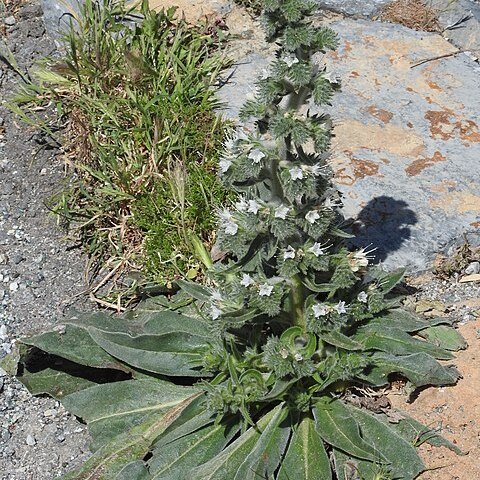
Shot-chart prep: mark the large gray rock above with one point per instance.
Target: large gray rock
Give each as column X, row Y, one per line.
column 407, row 146
column 354, row 8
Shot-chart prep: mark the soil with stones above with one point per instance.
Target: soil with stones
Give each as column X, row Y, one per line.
column 39, row 273
column 40, row 276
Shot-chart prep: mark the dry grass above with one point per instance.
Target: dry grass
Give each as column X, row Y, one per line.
column 413, row 14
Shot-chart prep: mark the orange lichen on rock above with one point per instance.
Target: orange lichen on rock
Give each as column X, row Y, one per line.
column 420, row 164
column 383, row 115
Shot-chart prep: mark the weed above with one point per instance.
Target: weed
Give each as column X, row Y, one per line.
column 134, row 90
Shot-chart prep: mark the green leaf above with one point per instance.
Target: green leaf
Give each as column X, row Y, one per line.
column 444, row 337
column 337, row 427
column 401, row 455
column 263, row 460
column 420, row 368
column 406, row 321
column 53, row 382
column 417, row 434
column 75, row 344
column 108, row 461
column 134, row 402
column 225, row 465
column 306, row 458
column 134, row 471
column 394, row 340
column 195, row 290
column 338, row 339
column 387, row 281
column 175, row 460
column 175, row 354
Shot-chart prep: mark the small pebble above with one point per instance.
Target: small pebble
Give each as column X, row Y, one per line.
column 49, row 413
column 14, row 286
column 473, row 268
column 31, row 440
column 10, row 21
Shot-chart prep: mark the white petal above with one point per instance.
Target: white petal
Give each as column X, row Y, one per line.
column 241, row 205
column 340, row 307
column 256, row 155
column 231, row 228
column 362, row 297
column 317, row 249
column 224, row 165
column 215, row 312
column 265, row 290
column 319, row 310
column 289, row 253
column 281, row 212
column 290, row 60
column 296, row 173
column 312, row 216
column 253, row 207
column 247, row 280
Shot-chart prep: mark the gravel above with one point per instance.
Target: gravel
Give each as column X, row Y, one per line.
column 39, row 274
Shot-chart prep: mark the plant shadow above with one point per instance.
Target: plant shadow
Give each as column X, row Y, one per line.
column 384, row 225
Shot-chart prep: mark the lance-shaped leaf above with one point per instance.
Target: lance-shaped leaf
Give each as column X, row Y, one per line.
column 417, row 434
column 338, row 339
column 351, row 468
column 55, row 383
column 335, row 424
column 134, row 471
column 406, row 321
column 114, row 408
column 421, row 369
column 402, row 458
column 263, row 460
column 195, row 290
column 444, row 337
column 226, row 464
column 174, row 460
column 173, row 354
column 306, row 458
column 75, row 343
column 394, row 340
column 108, row 461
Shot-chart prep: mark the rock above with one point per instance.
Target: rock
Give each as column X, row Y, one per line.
column 353, row 8
column 10, row 21
column 31, row 440
column 406, row 151
column 473, row 268
column 466, row 14
column 470, row 278
column 3, row 332
column 423, row 306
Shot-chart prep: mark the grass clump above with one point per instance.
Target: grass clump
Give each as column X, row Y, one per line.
column 134, row 89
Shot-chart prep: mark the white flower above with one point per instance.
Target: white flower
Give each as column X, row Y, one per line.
column 340, row 307
column 241, row 205
column 281, row 212
column 256, row 155
column 317, row 169
column 319, row 310
column 216, row 295
column 265, row 290
column 284, row 353
column 253, row 207
column 317, row 249
column 289, row 253
column 362, row 297
column 296, row 173
column 225, row 216
column 290, row 60
column 265, row 74
column 215, row 312
column 298, row 357
column 247, row 280
column 231, row 228
column 358, row 260
column 224, row 165
column 331, row 203
column 311, row 216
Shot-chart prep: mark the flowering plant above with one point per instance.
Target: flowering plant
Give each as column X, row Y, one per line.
column 262, row 376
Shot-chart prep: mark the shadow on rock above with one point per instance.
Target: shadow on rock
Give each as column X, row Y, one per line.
column 384, row 224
